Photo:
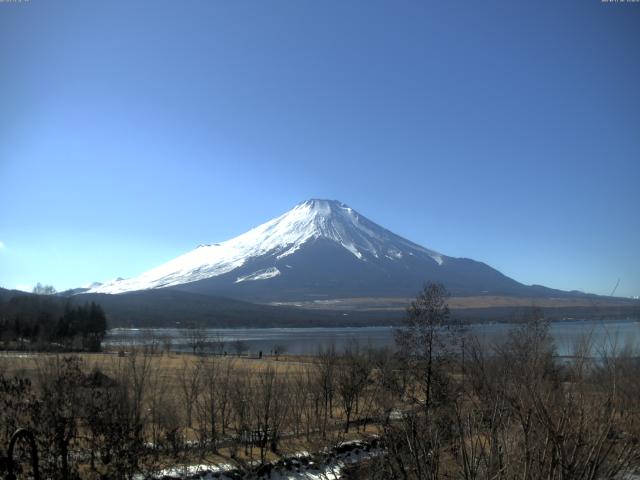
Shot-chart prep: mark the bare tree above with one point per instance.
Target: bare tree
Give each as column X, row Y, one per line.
column 425, row 342
column 41, row 289
column 279, row 349
column 167, row 344
column 326, row 365
column 217, row 344
column 353, row 373
column 189, row 381
column 269, row 407
column 214, row 399
column 239, row 395
column 414, row 441
column 60, row 380
column 240, row 347
column 158, row 402
column 196, row 339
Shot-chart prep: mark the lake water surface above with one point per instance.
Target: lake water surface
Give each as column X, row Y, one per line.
column 605, row 334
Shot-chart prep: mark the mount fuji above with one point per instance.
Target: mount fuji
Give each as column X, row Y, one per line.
column 320, row 249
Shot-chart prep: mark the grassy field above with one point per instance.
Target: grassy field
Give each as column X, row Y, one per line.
column 172, row 365
column 400, row 304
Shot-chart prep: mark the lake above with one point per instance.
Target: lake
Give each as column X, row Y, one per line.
column 604, row 333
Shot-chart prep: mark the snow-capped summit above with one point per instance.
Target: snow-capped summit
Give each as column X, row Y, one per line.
column 283, row 236
column 318, row 248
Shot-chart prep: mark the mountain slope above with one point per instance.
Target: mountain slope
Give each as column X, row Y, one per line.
column 319, row 249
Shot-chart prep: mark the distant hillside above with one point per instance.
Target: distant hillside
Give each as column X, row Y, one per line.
column 170, row 308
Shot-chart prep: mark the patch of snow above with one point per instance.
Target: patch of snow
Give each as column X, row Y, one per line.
column 331, row 469
column 260, row 275
column 189, row 471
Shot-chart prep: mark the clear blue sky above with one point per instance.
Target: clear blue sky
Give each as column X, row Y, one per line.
column 507, row 132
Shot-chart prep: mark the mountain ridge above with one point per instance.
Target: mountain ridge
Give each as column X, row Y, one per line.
column 320, row 249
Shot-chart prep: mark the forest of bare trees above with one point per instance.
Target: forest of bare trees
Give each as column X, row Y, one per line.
column 441, row 405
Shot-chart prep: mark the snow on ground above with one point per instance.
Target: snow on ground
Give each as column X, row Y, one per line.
column 300, row 466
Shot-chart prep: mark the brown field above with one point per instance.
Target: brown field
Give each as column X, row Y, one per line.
column 27, row 364
column 460, row 303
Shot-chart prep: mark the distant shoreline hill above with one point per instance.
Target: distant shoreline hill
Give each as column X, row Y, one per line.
column 322, row 259
column 167, row 308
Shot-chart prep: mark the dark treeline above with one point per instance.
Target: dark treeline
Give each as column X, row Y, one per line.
column 45, row 322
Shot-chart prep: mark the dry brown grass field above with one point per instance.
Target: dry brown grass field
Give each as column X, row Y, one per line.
column 171, row 364
column 399, row 304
